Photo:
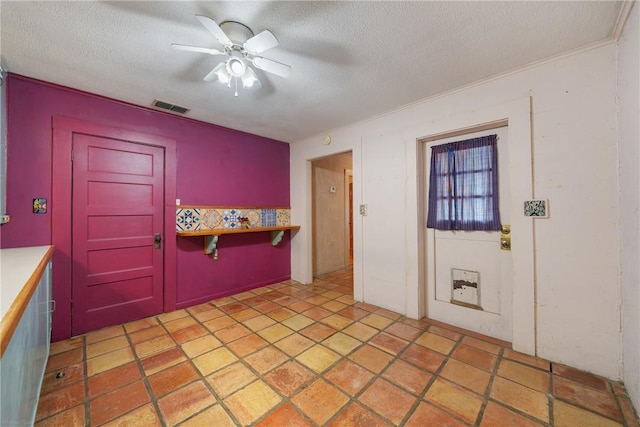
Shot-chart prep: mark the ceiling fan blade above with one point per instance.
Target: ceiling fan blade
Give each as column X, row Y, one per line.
column 271, row 66
column 219, row 71
column 214, row 29
column 250, row 80
column 198, row 49
column 261, row 42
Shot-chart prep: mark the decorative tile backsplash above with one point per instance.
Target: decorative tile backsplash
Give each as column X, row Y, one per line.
column 187, row 219
column 202, row 218
column 536, row 208
column 268, row 217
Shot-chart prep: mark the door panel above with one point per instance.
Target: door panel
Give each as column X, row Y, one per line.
column 112, row 194
column 120, row 162
column 119, row 227
column 102, row 261
column 456, row 249
column 473, row 252
column 120, row 292
column 118, row 190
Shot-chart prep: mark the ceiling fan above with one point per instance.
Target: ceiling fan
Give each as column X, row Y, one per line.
column 241, row 47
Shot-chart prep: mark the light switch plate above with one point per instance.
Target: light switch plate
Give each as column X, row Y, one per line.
column 363, row 210
column 177, row 202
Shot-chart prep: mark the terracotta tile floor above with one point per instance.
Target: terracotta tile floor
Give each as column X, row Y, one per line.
column 296, row 355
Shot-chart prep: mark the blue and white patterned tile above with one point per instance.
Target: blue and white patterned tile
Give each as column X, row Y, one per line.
column 194, row 219
column 230, row 218
column 269, row 218
column 178, row 220
column 187, row 219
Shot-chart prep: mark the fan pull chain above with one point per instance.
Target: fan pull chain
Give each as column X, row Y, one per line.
column 236, row 79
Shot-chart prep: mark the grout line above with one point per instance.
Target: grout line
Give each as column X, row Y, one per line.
column 550, row 394
column 436, row 374
column 618, row 404
column 202, row 377
column 143, row 377
column 316, row 376
column 288, row 290
column 487, row 393
column 85, row 362
column 423, row 393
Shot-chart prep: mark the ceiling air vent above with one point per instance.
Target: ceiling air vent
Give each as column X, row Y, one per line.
column 170, row 107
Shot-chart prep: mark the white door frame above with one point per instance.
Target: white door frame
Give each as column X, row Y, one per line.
column 518, row 116
column 347, row 231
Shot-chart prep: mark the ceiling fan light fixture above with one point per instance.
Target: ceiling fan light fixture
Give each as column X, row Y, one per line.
column 250, row 80
column 241, row 47
column 223, row 75
column 236, row 67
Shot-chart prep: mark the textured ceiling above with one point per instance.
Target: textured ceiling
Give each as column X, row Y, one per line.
column 350, row 60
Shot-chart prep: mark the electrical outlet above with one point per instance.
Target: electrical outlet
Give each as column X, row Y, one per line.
column 363, row 210
column 4, row 219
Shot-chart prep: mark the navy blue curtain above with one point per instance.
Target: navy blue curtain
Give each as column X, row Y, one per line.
column 463, row 186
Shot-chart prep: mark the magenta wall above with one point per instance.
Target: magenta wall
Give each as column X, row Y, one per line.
column 215, row 166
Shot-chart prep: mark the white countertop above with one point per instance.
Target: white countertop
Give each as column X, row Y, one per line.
column 16, row 266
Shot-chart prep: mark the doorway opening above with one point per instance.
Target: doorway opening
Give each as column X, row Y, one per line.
column 332, row 214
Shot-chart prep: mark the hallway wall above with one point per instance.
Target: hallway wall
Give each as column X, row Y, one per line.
column 629, row 95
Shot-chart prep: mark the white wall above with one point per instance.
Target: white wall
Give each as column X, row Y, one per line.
column 629, row 96
column 574, row 157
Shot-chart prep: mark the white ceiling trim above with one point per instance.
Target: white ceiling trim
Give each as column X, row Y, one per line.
column 623, row 16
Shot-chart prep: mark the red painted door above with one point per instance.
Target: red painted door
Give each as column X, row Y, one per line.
column 118, row 191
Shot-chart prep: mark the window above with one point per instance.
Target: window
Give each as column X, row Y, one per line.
column 463, row 186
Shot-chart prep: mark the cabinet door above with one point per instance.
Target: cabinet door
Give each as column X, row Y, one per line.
column 23, row 363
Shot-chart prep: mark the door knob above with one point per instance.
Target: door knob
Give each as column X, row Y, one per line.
column 505, row 244
column 157, row 241
column 505, row 238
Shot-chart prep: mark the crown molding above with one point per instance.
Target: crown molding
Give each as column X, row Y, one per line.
column 625, row 11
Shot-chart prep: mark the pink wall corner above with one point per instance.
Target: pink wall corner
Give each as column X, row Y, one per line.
column 214, row 166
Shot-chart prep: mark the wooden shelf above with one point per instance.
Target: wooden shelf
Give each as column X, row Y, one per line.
column 211, row 236
column 235, row 231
